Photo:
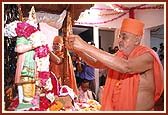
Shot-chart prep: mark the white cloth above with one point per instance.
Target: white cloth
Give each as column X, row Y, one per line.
column 20, row 93
column 53, row 20
column 65, row 90
column 84, row 96
column 50, row 32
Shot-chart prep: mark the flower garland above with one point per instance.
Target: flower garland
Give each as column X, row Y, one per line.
column 109, row 14
column 143, row 6
column 139, row 7
column 94, row 23
column 47, row 85
column 152, row 7
column 41, row 57
column 129, row 10
column 108, row 9
column 44, row 96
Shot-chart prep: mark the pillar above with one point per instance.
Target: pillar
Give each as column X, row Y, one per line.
column 96, row 41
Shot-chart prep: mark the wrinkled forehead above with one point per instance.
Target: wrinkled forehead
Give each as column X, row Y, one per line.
column 126, row 35
column 123, row 33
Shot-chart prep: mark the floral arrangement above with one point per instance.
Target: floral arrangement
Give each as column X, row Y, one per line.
column 9, row 30
column 44, row 96
column 89, row 105
column 47, row 86
column 24, row 29
column 56, row 106
column 49, row 94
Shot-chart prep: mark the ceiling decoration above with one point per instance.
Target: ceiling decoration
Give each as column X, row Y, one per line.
column 75, row 9
column 116, row 11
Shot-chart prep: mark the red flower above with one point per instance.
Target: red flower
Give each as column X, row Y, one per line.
column 64, row 90
column 44, row 103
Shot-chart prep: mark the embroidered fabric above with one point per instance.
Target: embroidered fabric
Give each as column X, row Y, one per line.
column 51, row 19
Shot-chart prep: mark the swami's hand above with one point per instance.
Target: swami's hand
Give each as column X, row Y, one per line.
column 74, row 42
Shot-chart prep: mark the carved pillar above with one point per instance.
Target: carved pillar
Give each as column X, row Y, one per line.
column 66, row 30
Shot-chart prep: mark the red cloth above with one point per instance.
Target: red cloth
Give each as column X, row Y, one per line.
column 55, row 83
column 58, row 71
column 124, row 96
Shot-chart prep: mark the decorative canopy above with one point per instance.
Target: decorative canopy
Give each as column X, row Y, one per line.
column 75, row 9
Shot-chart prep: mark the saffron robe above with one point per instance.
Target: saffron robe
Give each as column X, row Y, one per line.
column 124, row 97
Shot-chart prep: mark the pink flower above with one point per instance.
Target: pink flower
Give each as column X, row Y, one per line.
column 44, row 76
column 35, row 100
column 24, row 29
column 42, row 51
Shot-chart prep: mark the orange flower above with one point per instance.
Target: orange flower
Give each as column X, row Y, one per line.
column 56, row 106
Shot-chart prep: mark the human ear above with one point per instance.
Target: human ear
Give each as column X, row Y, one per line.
column 137, row 40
